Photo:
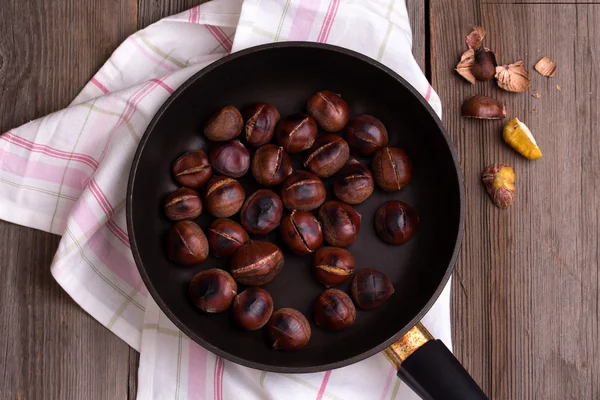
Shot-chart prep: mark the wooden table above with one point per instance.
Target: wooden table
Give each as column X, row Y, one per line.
column 525, row 299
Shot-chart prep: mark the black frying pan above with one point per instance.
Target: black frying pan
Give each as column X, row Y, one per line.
column 286, row 74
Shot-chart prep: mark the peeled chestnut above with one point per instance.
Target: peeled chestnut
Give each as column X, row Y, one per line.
column 396, row 222
column 186, row 244
column 261, row 213
column 340, row 223
column 256, row 263
column 230, row 159
column 192, row 169
column 302, row 190
column 212, row 290
column 288, row 329
column 329, row 110
column 370, row 288
column 353, row 183
column 252, row 308
column 271, row 165
column 365, row 135
column 301, row 232
column 261, row 120
column 327, row 155
column 225, row 237
column 333, row 265
column 224, row 125
column 391, row 169
column 334, row 310
column 224, row 196
column 182, row 204
column 297, row 133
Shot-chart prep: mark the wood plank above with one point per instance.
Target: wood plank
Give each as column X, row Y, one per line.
column 417, row 10
column 150, row 11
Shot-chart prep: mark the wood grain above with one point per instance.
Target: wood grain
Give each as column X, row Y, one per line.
column 150, row 11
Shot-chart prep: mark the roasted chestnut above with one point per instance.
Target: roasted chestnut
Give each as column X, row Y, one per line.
column 301, row 232
column 230, row 159
column 224, row 125
column 391, row 169
column 302, row 190
column 224, row 196
column 225, row 237
column 334, row 310
column 252, row 308
column 297, row 133
column 261, row 120
column 271, row 165
column 256, row 263
column 261, row 213
column 192, row 169
column 353, row 183
column 327, row 155
column 365, row 135
column 340, row 223
column 396, row 222
column 329, row 110
column 370, row 288
column 182, row 204
column 333, row 265
column 212, row 290
column 186, row 244
column 288, row 329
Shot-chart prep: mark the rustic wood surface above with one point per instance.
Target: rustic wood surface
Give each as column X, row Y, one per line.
column 526, row 295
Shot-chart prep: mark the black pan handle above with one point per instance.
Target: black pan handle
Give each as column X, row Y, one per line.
column 430, row 369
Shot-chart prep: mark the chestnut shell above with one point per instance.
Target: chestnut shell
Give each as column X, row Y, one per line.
column 186, row 243
column 261, row 120
column 261, row 213
column 252, row 308
column 212, row 290
column 192, row 169
column 225, row 237
column 301, row 231
column 288, row 329
column 340, row 223
column 365, row 135
column 327, row 155
column 224, row 124
column 333, row 265
column 396, row 222
column 370, row 288
column 354, row 183
column 230, row 159
column 256, row 263
column 392, row 169
column 297, row 133
column 334, row 310
column 271, row 165
column 183, row 203
column 302, row 190
column 329, row 110
column 224, row 196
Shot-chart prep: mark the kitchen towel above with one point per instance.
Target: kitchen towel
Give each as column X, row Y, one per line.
column 67, row 173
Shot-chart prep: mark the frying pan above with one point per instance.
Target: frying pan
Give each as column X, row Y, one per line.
column 286, row 74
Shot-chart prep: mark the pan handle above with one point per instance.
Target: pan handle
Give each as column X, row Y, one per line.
column 430, row 369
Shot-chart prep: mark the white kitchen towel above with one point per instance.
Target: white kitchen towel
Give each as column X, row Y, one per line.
column 67, row 173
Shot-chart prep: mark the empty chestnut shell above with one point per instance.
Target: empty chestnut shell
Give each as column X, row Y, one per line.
column 301, row 232
column 391, row 169
column 353, row 183
column 370, row 288
column 182, row 204
column 224, row 196
column 334, row 310
column 261, row 213
column 224, row 125
column 288, row 329
column 329, row 110
column 230, row 159
column 225, row 237
column 365, row 135
column 256, row 263
column 271, row 165
column 396, row 222
column 333, row 265
column 252, row 308
column 212, row 290
column 327, row 155
column 261, row 120
column 192, row 169
column 297, row 133
column 186, row 244
column 340, row 223
column 302, row 190
column 483, row 107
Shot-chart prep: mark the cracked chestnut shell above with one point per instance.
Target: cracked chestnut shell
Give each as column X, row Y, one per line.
column 396, row 222
column 288, row 329
column 230, row 159
column 329, row 110
column 340, row 223
column 327, row 155
column 224, row 196
column 225, row 237
column 334, row 310
column 302, row 190
column 192, row 169
column 256, row 263
column 261, row 213
column 370, row 288
column 182, row 204
column 261, row 120
column 333, row 265
column 483, row 107
column 297, row 133
column 271, row 165
column 353, row 184
column 301, row 232
column 212, row 290
column 252, row 308
column 392, row 169
column 186, row 244
column 224, row 125
column 365, row 135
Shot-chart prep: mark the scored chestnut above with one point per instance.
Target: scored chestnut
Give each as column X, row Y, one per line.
column 327, row 155
column 396, row 222
column 230, row 159
column 302, row 190
column 370, row 288
column 261, row 120
column 329, row 110
column 224, row 196
column 261, row 213
column 333, row 265
column 353, row 183
column 391, row 169
column 340, row 223
column 365, row 135
column 224, row 125
column 212, row 290
column 297, row 133
column 186, row 244
column 334, row 310
column 271, row 165
column 182, row 204
column 288, row 329
column 301, row 232
column 192, row 169
column 252, row 308
column 225, row 237
column 256, row 263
